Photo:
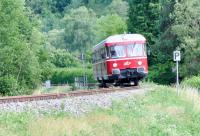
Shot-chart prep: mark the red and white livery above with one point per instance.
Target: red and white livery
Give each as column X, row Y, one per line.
column 120, row 59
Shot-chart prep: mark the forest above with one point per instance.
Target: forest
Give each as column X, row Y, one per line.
column 43, row 39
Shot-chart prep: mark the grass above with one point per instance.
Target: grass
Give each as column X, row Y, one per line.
column 53, row 89
column 158, row 113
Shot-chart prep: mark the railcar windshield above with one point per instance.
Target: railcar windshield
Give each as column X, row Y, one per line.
column 131, row 50
column 134, row 50
column 118, row 51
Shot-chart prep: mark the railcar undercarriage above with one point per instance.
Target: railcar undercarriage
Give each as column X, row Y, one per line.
column 127, row 77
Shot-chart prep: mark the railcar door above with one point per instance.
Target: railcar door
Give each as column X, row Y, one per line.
column 103, row 64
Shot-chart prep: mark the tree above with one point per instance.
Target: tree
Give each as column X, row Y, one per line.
column 144, row 18
column 78, row 24
column 179, row 30
column 62, row 58
column 39, row 6
column 161, row 62
column 119, row 7
column 109, row 25
column 55, row 38
column 19, row 67
column 49, row 11
column 186, row 27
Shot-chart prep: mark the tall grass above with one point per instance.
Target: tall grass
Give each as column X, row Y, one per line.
column 192, row 95
column 192, row 82
column 53, row 89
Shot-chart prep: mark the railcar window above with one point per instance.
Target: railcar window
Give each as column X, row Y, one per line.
column 135, row 50
column 97, row 56
column 145, row 49
column 94, row 57
column 118, row 51
column 103, row 53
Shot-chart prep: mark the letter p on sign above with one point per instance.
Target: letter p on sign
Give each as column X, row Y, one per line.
column 177, row 56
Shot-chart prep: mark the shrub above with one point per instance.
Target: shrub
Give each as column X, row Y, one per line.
column 67, row 75
column 63, row 58
column 10, row 86
column 192, row 82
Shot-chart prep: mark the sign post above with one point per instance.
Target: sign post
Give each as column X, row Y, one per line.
column 82, row 57
column 177, row 58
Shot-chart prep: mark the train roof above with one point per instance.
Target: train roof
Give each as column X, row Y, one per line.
column 120, row 39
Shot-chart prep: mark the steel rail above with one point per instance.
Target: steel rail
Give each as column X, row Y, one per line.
column 28, row 98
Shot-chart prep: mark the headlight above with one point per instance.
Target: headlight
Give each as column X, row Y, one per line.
column 139, row 63
column 114, row 65
column 115, row 71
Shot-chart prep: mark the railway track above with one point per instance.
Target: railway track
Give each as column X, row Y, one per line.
column 61, row 95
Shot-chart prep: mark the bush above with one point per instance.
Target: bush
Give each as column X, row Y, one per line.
column 10, row 86
column 46, row 70
column 67, row 75
column 192, row 82
column 161, row 74
column 63, row 58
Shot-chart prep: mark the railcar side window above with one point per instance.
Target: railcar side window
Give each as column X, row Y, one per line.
column 94, row 57
column 145, row 49
column 135, row 50
column 113, row 52
column 103, row 53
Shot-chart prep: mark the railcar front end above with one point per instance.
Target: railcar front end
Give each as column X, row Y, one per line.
column 121, row 59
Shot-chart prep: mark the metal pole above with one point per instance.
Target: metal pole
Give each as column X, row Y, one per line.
column 84, row 68
column 177, row 78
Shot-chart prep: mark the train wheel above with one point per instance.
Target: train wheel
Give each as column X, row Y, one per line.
column 116, row 83
column 136, row 82
column 103, row 84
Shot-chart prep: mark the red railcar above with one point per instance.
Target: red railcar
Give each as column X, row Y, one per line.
column 120, row 59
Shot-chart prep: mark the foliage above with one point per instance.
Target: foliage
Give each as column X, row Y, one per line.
column 144, row 18
column 7, row 84
column 179, row 30
column 62, row 58
column 109, row 25
column 192, row 82
column 161, row 58
column 118, row 7
column 78, row 28
column 46, row 70
column 186, row 27
column 95, row 5
column 67, row 75
column 19, row 67
column 162, row 73
column 39, row 7
column 55, row 38
column 49, row 10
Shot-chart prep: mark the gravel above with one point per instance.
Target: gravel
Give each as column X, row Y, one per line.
column 75, row 105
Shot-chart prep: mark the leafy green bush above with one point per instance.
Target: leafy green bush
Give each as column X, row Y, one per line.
column 10, row 86
column 46, row 70
column 67, row 75
column 7, row 84
column 63, row 58
column 192, row 82
column 161, row 74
